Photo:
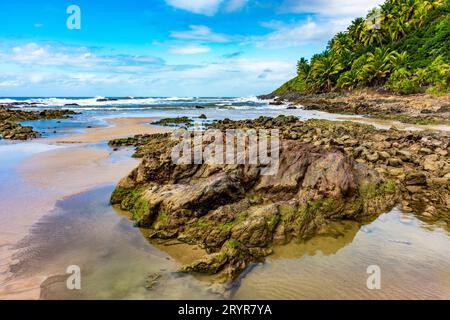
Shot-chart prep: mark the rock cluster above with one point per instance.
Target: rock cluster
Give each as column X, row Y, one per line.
column 174, row 121
column 10, row 129
column 416, row 109
column 236, row 213
column 418, row 161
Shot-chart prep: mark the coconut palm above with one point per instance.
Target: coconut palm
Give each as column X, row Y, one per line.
column 355, row 29
column 379, row 65
column 349, row 79
column 421, row 77
column 303, row 67
column 324, row 72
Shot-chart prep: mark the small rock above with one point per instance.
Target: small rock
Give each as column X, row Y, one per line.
column 426, row 151
column 384, row 155
column 373, row 157
column 395, row 162
column 396, row 171
column 152, row 280
column 431, row 163
column 404, row 155
column 414, row 189
column 416, row 178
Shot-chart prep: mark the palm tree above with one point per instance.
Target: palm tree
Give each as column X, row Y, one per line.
column 399, row 59
column 421, row 77
column 398, row 27
column 379, row 65
column 324, row 72
column 372, row 36
column 303, row 67
column 349, row 79
column 420, row 16
column 355, row 29
column 433, row 4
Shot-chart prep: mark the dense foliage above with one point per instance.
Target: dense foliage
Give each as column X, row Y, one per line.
column 404, row 46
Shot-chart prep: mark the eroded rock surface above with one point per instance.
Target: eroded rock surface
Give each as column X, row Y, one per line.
column 10, row 129
column 416, row 109
column 236, row 213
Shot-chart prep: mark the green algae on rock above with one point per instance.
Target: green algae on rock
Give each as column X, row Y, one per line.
column 174, row 121
column 10, row 129
column 236, row 214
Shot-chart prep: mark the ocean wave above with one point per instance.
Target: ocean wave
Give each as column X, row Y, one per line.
column 139, row 103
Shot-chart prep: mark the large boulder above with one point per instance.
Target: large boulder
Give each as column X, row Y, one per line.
column 237, row 213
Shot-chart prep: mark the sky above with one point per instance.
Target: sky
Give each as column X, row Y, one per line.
column 183, row 48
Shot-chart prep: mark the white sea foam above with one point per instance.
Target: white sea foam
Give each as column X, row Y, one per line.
column 100, row 103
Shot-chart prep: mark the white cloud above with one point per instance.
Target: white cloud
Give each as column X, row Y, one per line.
column 76, row 57
column 235, row 5
column 331, row 8
column 208, row 7
column 27, row 73
column 201, row 33
column 298, row 34
column 194, row 49
column 35, row 54
column 10, row 83
column 327, row 18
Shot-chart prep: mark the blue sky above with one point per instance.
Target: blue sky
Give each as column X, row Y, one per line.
column 163, row 47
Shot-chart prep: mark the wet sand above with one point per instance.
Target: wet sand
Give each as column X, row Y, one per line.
column 116, row 259
column 73, row 169
column 42, row 179
column 58, row 189
column 121, row 128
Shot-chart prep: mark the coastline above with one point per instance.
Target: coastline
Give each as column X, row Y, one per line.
column 86, row 157
column 71, row 167
column 416, row 109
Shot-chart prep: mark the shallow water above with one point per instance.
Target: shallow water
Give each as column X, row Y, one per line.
column 115, row 259
column 414, row 259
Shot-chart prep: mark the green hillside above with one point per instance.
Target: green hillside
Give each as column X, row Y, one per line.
column 403, row 46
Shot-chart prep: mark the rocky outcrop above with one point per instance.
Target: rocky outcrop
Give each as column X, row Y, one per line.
column 418, row 161
column 10, row 129
column 416, row 109
column 174, row 121
column 235, row 212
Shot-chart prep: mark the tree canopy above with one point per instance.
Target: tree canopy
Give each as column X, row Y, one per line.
column 404, row 46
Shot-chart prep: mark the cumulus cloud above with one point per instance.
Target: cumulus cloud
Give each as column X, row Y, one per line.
column 332, row 8
column 200, row 33
column 207, row 7
column 327, row 17
column 69, row 56
column 33, row 53
column 56, row 69
column 235, row 5
column 190, row 49
column 300, row 33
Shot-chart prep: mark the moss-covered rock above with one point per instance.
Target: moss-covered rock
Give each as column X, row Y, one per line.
column 236, row 213
column 12, row 130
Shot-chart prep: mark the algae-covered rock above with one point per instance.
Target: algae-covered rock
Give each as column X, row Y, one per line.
column 11, row 130
column 174, row 121
column 237, row 213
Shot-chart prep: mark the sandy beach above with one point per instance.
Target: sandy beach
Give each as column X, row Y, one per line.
column 70, row 169
column 120, row 128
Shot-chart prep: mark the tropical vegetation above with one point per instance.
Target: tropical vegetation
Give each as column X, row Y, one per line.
column 404, row 46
